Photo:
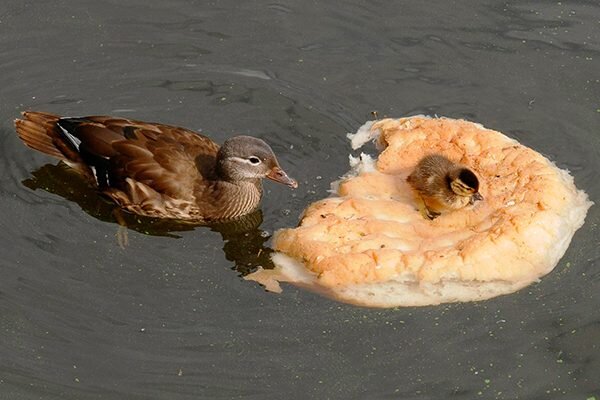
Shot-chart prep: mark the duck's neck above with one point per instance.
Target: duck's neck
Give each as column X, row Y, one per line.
column 238, row 197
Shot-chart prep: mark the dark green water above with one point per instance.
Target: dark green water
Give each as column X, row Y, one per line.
column 169, row 317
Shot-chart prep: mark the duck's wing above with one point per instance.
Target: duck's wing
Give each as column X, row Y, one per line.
column 168, row 159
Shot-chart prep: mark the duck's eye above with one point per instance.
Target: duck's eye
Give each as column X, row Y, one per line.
column 254, row 160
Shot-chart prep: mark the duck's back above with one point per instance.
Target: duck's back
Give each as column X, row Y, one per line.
column 155, row 168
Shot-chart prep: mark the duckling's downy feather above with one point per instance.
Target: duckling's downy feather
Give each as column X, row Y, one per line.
column 442, row 184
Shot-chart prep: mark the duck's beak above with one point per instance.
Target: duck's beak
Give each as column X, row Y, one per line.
column 476, row 197
column 279, row 175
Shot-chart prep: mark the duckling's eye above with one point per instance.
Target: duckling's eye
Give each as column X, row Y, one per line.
column 254, row 160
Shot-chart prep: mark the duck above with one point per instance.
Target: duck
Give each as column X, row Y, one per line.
column 158, row 170
column 443, row 185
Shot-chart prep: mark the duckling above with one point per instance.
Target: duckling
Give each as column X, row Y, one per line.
column 443, row 185
column 158, row 170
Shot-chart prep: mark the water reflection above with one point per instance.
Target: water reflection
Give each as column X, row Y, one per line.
column 243, row 240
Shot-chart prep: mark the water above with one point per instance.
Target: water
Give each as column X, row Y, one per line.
column 168, row 317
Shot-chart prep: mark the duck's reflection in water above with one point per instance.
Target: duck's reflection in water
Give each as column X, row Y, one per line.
column 243, row 240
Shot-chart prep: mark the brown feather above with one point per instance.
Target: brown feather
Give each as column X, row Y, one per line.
column 38, row 130
column 36, row 136
column 97, row 139
column 131, row 149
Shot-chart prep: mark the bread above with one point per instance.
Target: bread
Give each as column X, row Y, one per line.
column 369, row 245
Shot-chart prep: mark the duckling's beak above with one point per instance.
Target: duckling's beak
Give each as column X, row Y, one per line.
column 279, row 175
column 476, row 197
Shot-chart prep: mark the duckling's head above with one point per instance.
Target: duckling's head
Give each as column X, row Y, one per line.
column 246, row 158
column 463, row 182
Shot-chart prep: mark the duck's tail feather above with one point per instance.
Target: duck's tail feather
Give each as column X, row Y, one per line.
column 40, row 131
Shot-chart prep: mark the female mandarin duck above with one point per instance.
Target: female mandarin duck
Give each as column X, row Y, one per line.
column 158, row 170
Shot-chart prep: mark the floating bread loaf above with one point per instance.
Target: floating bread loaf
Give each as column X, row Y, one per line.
column 369, row 245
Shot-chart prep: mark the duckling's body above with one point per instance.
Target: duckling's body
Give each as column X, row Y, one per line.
column 443, row 185
column 158, row 170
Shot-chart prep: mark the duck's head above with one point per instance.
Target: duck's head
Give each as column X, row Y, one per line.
column 246, row 158
column 464, row 182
